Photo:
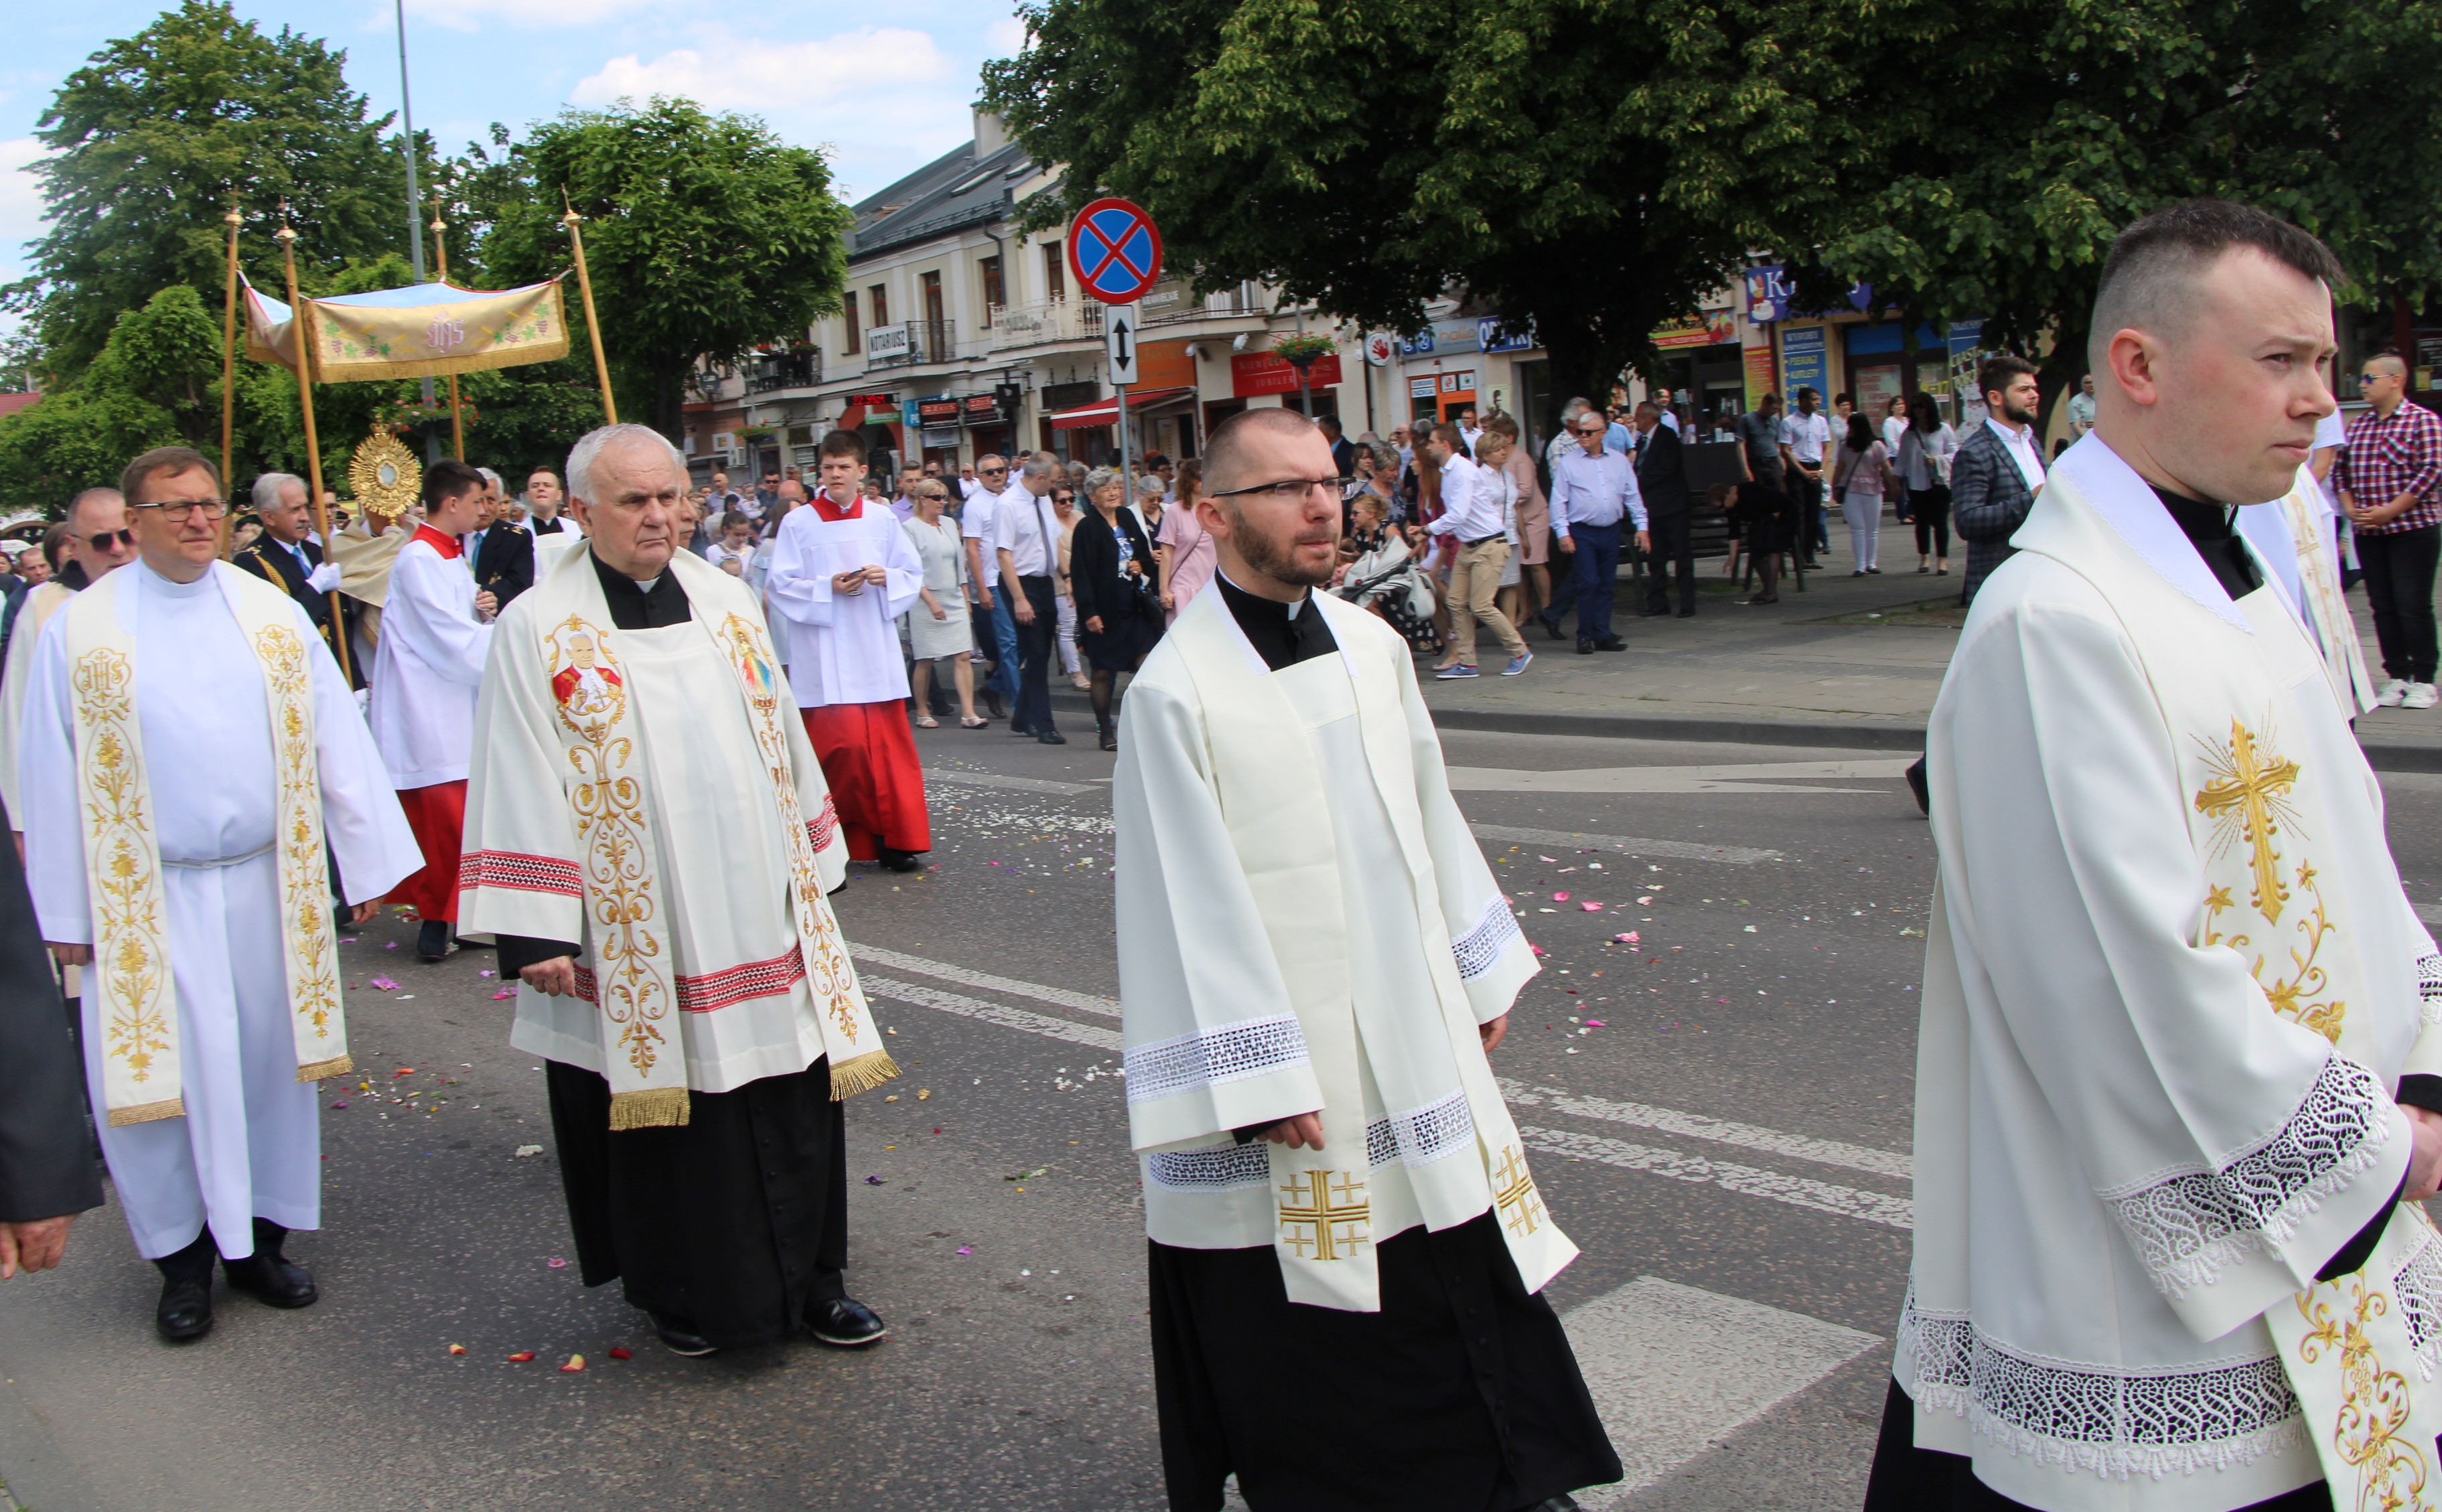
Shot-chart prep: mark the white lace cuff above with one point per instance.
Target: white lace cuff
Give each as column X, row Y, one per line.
column 1230, row 1052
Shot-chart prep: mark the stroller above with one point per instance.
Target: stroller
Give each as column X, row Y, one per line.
column 1390, row 580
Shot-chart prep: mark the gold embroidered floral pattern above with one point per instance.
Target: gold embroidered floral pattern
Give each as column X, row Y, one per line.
column 2374, row 1405
column 304, row 876
column 1324, row 1214
column 2248, row 799
column 2295, row 995
column 609, row 801
column 130, row 953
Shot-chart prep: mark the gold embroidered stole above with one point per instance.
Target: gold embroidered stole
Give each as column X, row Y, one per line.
column 136, row 996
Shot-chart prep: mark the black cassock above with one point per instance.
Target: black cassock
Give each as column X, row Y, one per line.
column 47, row 1158
column 736, row 1221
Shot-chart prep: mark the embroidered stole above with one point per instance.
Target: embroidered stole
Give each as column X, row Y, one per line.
column 2350, row 1347
column 634, row 960
column 135, row 994
column 2319, row 585
column 1275, row 802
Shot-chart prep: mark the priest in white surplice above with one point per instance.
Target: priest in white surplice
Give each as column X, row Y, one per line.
column 189, row 746
column 100, row 541
column 2179, row 1027
column 649, row 838
column 842, row 574
column 1348, row 1247
column 435, row 635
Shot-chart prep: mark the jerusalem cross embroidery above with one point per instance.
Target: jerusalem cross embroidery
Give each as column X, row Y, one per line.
column 1331, row 1220
column 1514, row 1193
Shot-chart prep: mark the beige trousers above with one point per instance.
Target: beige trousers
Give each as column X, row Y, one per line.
column 1475, row 579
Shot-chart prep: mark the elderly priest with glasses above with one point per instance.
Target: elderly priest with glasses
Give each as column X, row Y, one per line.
column 188, row 749
column 1315, row 962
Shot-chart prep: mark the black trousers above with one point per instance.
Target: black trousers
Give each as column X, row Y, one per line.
column 1929, row 509
column 2399, row 586
column 1673, row 553
column 1037, row 644
column 1813, row 535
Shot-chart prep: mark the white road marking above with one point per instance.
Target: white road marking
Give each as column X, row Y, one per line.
column 1799, row 1192
column 993, row 779
column 1627, row 845
column 1754, row 776
column 2431, row 913
column 1107, row 1006
column 1675, row 1372
column 975, row 1008
column 1721, row 1131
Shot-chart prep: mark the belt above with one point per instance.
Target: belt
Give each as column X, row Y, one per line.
column 1480, row 540
column 218, row 861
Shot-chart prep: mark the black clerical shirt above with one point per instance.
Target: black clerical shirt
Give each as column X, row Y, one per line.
column 1283, row 634
column 632, row 608
column 2213, row 530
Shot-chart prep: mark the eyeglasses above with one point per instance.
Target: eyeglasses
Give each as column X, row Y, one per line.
column 103, row 541
column 2369, row 377
column 1287, row 491
column 177, row 510
column 991, row 472
column 1063, row 499
column 1593, row 431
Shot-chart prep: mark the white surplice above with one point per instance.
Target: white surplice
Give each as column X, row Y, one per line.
column 2171, row 982
column 249, row 1144
column 43, row 600
column 842, row 647
column 429, row 666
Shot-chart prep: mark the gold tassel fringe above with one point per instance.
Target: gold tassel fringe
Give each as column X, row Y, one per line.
column 335, row 1066
column 148, row 1112
column 862, row 1074
column 662, row 1107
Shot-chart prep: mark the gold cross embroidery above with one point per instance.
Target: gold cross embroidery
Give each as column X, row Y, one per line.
column 1513, row 1191
column 2247, row 796
column 1331, row 1227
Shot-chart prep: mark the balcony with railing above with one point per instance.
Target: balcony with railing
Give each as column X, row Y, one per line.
column 911, row 343
column 1027, row 325
column 768, row 370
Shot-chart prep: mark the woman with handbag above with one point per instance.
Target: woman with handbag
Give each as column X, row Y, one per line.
column 1924, row 451
column 1110, row 574
column 1860, row 481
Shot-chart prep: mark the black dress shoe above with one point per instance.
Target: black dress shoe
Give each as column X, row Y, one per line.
column 1015, row 728
column 1652, row 613
column 846, row 1323
column 1585, row 647
column 273, row 1279
column 186, row 1310
column 1551, row 627
column 1687, row 613
column 993, row 705
column 1110, row 739
column 433, row 941
column 678, row 1337
column 1610, row 643
column 464, row 943
column 900, row 860
column 1052, row 737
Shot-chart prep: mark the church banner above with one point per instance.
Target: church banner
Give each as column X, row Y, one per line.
column 422, row 331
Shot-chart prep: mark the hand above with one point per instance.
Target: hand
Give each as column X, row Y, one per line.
column 35, row 1245
column 70, row 955
column 1093, row 625
column 1167, row 602
column 1565, row 543
column 2425, row 1158
column 1304, row 1132
column 1493, row 1034
column 324, row 579
column 556, row 977
column 364, row 912
column 1021, row 609
column 485, row 604
column 940, row 613
column 851, row 581
column 1645, row 540
column 877, row 577
column 984, row 600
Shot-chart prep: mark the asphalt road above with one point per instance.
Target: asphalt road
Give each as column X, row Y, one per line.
column 1729, row 1147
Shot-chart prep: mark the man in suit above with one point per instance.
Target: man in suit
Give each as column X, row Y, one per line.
column 502, row 550
column 287, row 556
column 1662, row 479
column 1343, row 452
column 1997, row 467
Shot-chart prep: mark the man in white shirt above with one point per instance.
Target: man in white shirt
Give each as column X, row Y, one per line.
column 1471, row 515
column 2081, row 408
column 1805, row 435
column 1026, row 542
column 995, row 626
column 1593, row 488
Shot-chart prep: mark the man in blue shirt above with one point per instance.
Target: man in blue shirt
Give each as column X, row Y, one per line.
column 1592, row 488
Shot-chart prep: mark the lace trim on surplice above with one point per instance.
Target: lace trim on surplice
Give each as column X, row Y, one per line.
column 1252, row 1047
column 1479, row 950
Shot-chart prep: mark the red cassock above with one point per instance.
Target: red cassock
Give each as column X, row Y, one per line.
column 438, row 816
column 869, row 756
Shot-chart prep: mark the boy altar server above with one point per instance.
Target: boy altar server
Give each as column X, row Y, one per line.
column 434, row 638
column 650, row 840
column 190, row 747
column 842, row 574
column 2179, row 1027
column 1314, row 962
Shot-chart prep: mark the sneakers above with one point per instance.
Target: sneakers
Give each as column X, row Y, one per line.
column 2420, row 696
column 2391, row 693
column 1518, row 663
column 1449, row 674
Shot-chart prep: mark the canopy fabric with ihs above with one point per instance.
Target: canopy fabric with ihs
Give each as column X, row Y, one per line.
column 425, row 330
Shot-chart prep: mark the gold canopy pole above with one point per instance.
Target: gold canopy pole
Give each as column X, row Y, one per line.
column 300, row 316
column 593, row 323
column 441, row 261
column 228, row 370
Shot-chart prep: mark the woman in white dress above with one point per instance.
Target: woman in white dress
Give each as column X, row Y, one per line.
column 938, row 626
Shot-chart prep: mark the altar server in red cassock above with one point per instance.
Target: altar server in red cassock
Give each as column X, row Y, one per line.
column 425, row 673
column 841, row 575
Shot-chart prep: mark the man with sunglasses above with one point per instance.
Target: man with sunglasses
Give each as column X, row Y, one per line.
column 189, row 746
column 2390, row 480
column 99, row 540
column 995, row 624
column 1593, row 489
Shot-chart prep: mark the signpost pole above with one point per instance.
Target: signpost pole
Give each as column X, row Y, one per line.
column 1127, row 469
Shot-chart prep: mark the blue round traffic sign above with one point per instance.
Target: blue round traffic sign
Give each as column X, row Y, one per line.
column 1115, row 250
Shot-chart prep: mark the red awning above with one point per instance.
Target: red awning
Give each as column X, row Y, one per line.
column 1106, row 412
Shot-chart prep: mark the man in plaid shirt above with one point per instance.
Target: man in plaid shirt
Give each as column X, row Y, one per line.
column 2389, row 478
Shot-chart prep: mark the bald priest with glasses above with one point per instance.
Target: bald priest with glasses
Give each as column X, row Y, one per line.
column 190, row 748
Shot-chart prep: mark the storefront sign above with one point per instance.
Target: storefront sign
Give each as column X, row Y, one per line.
column 1259, row 373
column 980, row 408
column 1710, row 328
column 1488, row 336
column 1804, row 363
column 884, row 343
column 940, row 411
column 1767, row 293
column 872, row 401
column 1420, row 388
column 1759, row 366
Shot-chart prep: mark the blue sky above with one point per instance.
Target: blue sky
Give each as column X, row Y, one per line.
column 885, row 89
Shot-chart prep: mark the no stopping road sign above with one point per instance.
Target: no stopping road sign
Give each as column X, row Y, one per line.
column 1115, row 250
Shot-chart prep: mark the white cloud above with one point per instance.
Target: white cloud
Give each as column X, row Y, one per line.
column 1004, row 38
column 21, row 203
column 469, row 15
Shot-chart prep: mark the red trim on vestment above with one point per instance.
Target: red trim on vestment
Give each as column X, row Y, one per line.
column 446, row 545
column 727, row 988
column 516, row 871
column 438, row 816
column 821, row 827
column 824, row 508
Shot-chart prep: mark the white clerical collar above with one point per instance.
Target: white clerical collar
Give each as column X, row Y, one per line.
column 1293, row 606
column 646, row 585
column 2127, row 503
column 171, row 585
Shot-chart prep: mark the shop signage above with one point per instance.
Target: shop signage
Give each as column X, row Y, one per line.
column 980, row 408
column 1804, row 364
column 1705, row 329
column 940, row 411
column 1260, row 373
column 1488, row 336
column 1768, row 292
column 883, row 343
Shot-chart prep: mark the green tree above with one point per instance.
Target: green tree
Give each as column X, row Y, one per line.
column 704, row 235
column 1595, row 168
column 155, row 133
column 156, row 382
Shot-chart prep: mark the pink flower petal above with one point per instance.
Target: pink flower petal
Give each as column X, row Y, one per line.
column 1559, row 897
column 1592, row 908
column 1628, row 938
column 1595, row 1023
column 504, row 993
column 385, row 984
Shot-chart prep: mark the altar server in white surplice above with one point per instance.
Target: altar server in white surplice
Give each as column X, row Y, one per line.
column 2179, row 1029
column 1314, row 963
column 649, row 838
column 190, row 747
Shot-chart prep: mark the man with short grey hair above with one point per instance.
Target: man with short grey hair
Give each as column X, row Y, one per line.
column 287, row 556
column 100, row 540
column 502, row 551
column 1025, row 541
